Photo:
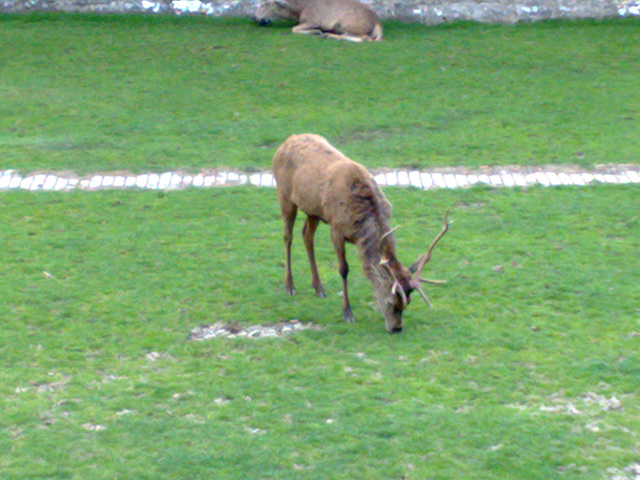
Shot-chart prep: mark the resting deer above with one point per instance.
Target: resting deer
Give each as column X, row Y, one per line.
column 342, row 19
column 316, row 178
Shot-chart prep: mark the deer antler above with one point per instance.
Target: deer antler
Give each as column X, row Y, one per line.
column 387, row 234
column 417, row 267
column 396, row 287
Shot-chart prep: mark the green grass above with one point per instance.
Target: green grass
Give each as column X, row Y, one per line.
column 537, row 324
column 457, row 395
column 152, row 93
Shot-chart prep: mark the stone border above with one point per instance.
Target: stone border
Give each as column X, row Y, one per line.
column 425, row 180
column 429, row 12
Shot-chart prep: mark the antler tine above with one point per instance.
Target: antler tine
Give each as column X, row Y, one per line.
column 396, row 287
column 424, row 296
column 422, row 261
column 388, row 233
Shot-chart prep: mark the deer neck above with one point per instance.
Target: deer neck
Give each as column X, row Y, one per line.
column 297, row 5
column 375, row 250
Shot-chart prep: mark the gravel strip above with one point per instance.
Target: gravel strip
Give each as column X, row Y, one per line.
column 509, row 176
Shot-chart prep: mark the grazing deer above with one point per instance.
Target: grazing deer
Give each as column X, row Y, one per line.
column 341, row 19
column 316, row 178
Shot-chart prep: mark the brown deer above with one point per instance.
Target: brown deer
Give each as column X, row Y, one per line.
column 316, row 178
column 341, row 19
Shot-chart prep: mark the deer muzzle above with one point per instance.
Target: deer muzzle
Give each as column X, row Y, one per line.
column 396, row 329
column 393, row 321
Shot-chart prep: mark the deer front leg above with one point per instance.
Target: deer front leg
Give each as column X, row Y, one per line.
column 308, row 231
column 307, row 29
column 338, row 245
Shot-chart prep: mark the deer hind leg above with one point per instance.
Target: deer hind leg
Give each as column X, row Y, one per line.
column 308, row 231
column 289, row 212
column 350, row 27
column 313, row 29
column 339, row 247
column 345, row 36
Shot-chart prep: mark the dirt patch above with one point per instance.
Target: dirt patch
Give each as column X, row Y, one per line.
column 632, row 472
column 368, row 134
column 235, row 330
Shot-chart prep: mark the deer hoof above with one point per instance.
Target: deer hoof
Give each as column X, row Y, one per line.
column 348, row 316
column 320, row 292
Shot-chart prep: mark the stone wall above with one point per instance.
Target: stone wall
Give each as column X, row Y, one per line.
column 430, row 12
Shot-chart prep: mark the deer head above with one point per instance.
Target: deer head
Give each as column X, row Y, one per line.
column 396, row 283
column 275, row 10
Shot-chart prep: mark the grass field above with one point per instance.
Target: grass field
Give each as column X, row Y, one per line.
column 526, row 367
column 146, row 93
column 527, row 371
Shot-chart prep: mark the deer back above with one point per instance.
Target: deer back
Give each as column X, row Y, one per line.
column 341, row 16
column 323, row 182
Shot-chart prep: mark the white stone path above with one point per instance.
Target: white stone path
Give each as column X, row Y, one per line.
column 449, row 178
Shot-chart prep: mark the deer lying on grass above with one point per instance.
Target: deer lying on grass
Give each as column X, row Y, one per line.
column 316, row 178
column 342, row 19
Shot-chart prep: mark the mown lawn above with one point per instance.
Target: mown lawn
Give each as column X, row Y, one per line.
column 154, row 93
column 526, row 367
